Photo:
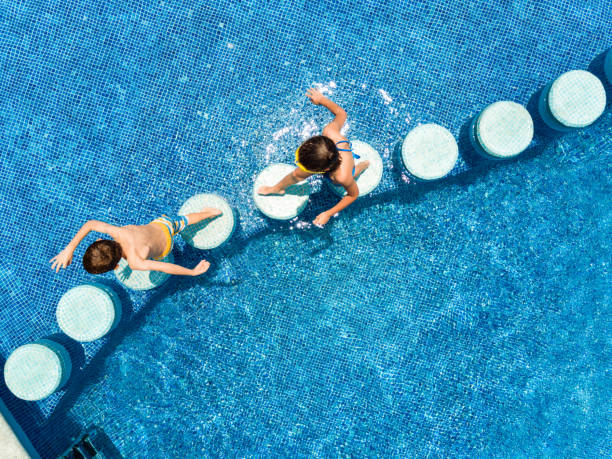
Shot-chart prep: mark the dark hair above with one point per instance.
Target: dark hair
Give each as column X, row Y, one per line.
column 102, row 256
column 319, row 154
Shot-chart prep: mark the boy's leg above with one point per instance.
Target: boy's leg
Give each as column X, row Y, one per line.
column 197, row 217
column 290, row 179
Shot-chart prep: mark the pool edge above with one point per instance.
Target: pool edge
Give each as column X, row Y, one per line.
column 13, row 441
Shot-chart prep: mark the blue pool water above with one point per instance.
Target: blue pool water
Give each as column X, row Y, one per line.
column 465, row 318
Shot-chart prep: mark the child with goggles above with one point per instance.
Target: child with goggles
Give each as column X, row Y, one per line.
column 329, row 154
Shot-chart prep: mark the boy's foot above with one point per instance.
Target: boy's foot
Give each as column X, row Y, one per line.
column 211, row 212
column 359, row 168
column 266, row 190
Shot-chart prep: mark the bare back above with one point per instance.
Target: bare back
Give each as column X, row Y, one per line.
column 142, row 242
column 344, row 174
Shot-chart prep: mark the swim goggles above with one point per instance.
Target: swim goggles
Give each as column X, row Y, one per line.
column 297, row 162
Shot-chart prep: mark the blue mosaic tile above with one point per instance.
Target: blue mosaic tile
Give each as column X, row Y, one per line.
column 121, row 111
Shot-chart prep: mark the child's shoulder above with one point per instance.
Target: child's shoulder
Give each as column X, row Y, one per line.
column 333, row 134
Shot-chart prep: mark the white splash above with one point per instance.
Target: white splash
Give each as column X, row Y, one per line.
column 303, row 225
column 345, row 129
column 270, row 150
column 385, row 95
column 324, row 88
column 308, row 129
column 281, row 132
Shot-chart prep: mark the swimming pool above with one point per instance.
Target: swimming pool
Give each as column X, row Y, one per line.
column 467, row 317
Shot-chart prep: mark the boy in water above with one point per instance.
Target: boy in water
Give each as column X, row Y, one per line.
column 330, row 154
column 141, row 245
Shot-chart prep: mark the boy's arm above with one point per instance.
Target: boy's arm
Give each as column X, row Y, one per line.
column 64, row 258
column 170, row 268
column 332, row 130
column 352, row 193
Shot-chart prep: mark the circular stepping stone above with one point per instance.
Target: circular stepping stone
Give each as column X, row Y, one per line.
column 502, row 130
column 574, row 100
column 88, row 312
column 210, row 233
column 142, row 280
column 284, row 207
column 608, row 65
column 370, row 178
column 36, row 370
column 429, row 152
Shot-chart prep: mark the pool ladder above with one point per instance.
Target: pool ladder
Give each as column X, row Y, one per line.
column 81, row 449
column 94, row 443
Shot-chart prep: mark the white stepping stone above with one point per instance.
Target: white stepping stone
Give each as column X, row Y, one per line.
column 574, row 100
column 142, row 280
column 208, row 234
column 371, row 177
column 88, row 312
column 36, row 370
column 284, row 207
column 502, row 130
column 429, row 152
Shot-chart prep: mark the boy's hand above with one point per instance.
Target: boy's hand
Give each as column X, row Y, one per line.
column 322, row 219
column 315, row 96
column 201, row 268
column 61, row 260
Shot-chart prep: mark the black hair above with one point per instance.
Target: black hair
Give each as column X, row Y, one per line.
column 319, row 154
column 102, row 256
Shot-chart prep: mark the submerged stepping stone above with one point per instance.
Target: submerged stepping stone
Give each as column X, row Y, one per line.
column 502, row 130
column 429, row 152
column 574, row 100
column 88, row 312
column 608, row 65
column 36, row 370
column 210, row 233
column 141, row 280
column 370, row 178
column 284, row 207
